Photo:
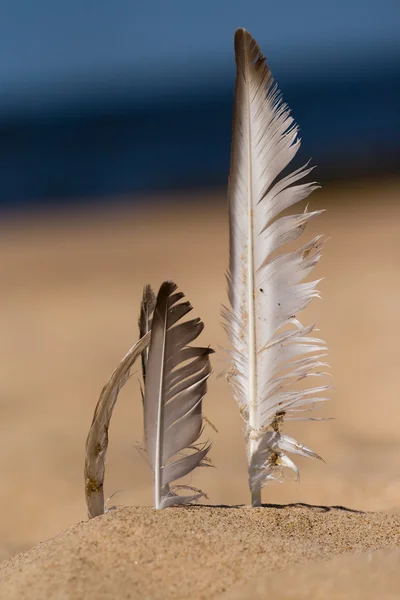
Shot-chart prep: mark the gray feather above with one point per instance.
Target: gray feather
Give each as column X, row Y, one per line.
column 174, row 390
column 146, row 313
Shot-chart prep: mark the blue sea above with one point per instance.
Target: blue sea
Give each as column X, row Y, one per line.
column 349, row 126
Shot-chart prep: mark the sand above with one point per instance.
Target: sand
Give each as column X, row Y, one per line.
column 365, row 576
column 71, row 285
column 180, row 553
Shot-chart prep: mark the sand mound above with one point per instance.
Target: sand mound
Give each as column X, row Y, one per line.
column 366, row 576
column 197, row 552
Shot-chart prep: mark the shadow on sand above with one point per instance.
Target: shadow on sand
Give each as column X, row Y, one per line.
column 284, row 506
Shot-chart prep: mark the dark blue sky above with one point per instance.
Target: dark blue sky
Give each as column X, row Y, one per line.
column 45, row 45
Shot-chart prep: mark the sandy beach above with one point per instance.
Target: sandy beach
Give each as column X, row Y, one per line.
column 359, row 577
column 197, row 552
column 71, row 287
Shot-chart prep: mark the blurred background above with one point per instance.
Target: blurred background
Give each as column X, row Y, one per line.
column 119, row 97
column 115, row 125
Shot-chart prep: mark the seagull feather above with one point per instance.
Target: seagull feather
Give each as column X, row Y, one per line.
column 176, row 382
column 265, row 285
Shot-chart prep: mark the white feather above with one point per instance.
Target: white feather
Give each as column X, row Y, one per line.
column 265, row 289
